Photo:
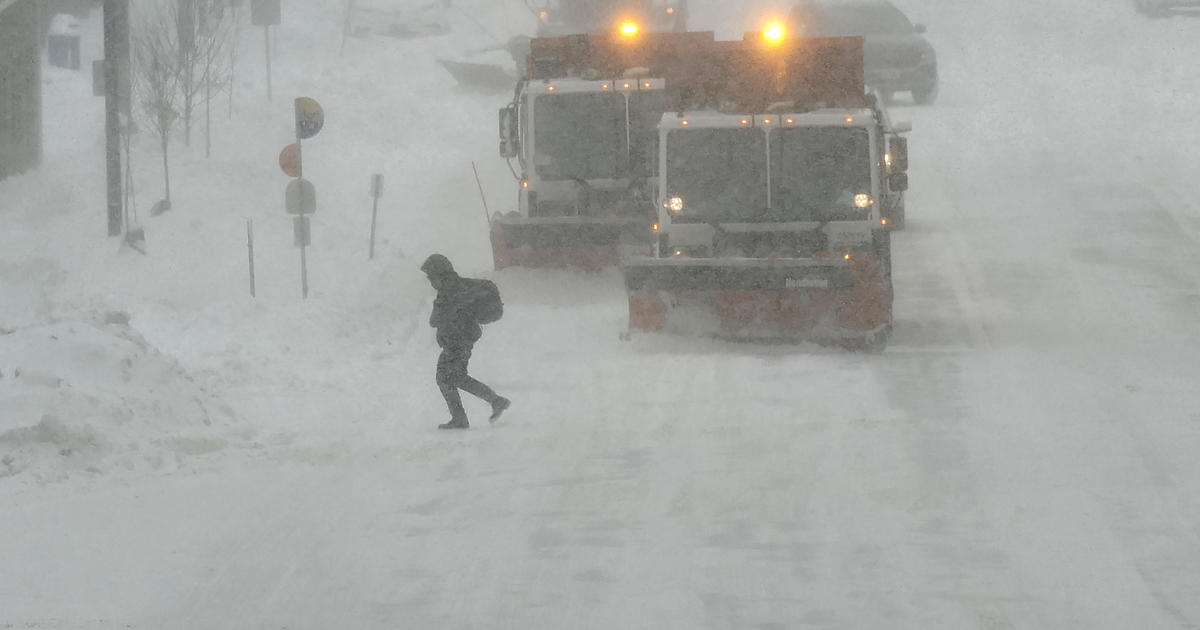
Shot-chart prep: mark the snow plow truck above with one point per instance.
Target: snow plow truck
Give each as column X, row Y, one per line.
column 776, row 178
column 583, row 131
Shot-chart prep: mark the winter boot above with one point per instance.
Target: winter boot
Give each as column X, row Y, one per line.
column 498, row 408
column 455, row 423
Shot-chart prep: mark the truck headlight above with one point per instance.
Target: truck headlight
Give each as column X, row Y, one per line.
column 674, row 204
column 690, row 252
column 862, row 201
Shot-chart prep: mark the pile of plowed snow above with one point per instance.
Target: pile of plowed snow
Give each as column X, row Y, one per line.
column 93, row 397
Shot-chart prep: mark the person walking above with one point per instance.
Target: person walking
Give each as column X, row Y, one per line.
column 461, row 305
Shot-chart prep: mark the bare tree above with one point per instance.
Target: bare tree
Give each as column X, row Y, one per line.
column 181, row 52
column 235, row 35
column 204, row 36
column 156, row 79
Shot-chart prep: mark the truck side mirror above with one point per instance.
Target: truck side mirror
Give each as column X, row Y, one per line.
column 508, row 131
column 898, row 182
column 898, row 151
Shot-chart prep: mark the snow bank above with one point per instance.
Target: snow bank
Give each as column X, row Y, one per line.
column 94, row 397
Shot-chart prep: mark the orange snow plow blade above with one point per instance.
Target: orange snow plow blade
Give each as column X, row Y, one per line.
column 837, row 302
column 563, row 242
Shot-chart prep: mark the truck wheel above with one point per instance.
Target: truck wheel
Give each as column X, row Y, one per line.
column 925, row 95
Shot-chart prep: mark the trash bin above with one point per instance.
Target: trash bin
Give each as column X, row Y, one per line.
column 62, row 43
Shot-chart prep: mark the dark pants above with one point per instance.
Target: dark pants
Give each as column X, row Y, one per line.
column 452, row 376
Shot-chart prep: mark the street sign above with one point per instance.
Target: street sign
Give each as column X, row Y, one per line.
column 300, row 197
column 289, row 160
column 309, row 117
column 377, row 185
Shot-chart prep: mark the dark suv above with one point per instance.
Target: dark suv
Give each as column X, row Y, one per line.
column 896, row 56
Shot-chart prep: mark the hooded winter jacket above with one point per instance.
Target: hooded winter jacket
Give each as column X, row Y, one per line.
column 453, row 314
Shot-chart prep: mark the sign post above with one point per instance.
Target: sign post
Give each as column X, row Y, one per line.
column 250, row 251
column 376, row 193
column 266, row 13
column 300, row 197
column 116, row 102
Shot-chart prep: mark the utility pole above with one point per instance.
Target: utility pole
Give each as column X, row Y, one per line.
column 116, row 102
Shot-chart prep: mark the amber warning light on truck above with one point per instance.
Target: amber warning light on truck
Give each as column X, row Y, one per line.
column 773, row 33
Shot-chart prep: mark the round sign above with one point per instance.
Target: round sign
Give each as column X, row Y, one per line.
column 309, row 117
column 289, row 160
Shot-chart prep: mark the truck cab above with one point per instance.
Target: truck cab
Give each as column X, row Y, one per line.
column 586, row 150
column 773, row 226
column 777, row 191
column 740, row 185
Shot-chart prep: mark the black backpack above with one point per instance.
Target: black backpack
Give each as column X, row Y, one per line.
column 485, row 301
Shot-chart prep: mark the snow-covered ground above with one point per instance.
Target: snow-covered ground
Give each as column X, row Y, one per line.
column 175, row 453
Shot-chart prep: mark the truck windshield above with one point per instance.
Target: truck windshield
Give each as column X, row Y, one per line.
column 580, row 136
column 721, row 174
column 816, row 171
column 584, row 135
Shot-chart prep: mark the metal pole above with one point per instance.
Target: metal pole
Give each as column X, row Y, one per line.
column 374, row 212
column 296, row 129
column 250, row 251
column 304, row 268
column 116, row 50
column 346, row 25
column 112, row 150
column 303, row 218
column 232, row 62
column 267, row 48
column 487, row 214
column 207, row 115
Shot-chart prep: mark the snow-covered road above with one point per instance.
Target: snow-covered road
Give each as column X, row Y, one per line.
column 1023, row 455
